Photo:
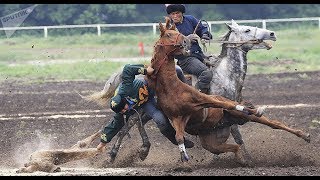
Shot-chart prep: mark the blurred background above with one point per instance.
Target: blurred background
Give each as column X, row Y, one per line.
column 91, row 41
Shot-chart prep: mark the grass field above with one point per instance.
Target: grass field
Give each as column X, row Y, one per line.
column 95, row 57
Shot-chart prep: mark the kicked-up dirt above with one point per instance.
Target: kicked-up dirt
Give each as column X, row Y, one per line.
column 53, row 116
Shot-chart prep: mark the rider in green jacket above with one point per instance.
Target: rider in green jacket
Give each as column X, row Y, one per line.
column 131, row 94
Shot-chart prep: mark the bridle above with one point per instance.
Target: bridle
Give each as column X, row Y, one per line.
column 175, row 44
column 238, row 44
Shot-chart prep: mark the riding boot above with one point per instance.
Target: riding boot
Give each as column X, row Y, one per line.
column 205, row 90
column 202, row 89
column 170, row 134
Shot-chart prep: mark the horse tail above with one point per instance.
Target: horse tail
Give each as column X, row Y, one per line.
column 102, row 97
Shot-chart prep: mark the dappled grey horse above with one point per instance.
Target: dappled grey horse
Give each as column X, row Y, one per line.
column 229, row 70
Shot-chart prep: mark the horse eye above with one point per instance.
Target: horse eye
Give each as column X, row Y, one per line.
column 248, row 30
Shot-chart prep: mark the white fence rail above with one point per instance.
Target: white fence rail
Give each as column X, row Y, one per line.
column 154, row 25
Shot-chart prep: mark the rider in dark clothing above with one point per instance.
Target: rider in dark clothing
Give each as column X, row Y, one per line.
column 131, row 94
column 192, row 64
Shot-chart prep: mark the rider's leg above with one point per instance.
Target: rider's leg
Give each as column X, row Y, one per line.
column 193, row 65
column 110, row 130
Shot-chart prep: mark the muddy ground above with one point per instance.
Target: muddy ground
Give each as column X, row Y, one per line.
column 51, row 115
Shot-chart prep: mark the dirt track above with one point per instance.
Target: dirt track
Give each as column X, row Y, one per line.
column 52, row 115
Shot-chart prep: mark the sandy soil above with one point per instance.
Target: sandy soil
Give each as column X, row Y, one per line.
column 51, row 115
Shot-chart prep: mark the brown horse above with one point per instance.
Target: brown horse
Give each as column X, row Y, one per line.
column 188, row 109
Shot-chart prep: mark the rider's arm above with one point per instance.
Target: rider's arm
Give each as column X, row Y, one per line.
column 204, row 31
column 128, row 75
column 201, row 29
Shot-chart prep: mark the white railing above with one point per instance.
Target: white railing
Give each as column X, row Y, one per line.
column 154, row 25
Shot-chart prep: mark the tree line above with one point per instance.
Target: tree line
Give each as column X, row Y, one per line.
column 62, row 14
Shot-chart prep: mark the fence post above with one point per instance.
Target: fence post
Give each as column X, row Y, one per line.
column 209, row 24
column 99, row 30
column 264, row 24
column 319, row 23
column 154, row 26
column 45, row 29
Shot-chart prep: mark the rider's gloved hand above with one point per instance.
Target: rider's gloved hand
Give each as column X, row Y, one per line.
column 205, row 37
column 193, row 37
column 150, row 70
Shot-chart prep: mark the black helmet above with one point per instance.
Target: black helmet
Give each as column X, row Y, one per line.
column 175, row 7
column 117, row 103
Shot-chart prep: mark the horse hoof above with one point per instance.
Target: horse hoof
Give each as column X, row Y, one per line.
column 58, row 169
column 243, row 158
column 246, row 158
column 307, row 138
column 143, row 152
column 112, row 155
column 261, row 110
column 184, row 157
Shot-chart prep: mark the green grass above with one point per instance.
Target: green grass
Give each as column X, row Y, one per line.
column 89, row 56
column 98, row 71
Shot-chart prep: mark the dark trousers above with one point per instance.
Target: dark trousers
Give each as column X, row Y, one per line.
column 194, row 66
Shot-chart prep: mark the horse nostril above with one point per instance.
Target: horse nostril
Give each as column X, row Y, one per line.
column 272, row 34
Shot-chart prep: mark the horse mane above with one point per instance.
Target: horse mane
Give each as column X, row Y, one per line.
column 225, row 37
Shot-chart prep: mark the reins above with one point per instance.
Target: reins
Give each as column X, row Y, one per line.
column 167, row 54
column 233, row 44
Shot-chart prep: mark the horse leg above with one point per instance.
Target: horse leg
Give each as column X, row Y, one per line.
column 237, row 135
column 215, row 142
column 179, row 125
column 275, row 124
column 236, row 132
column 135, row 119
column 144, row 150
column 124, row 130
column 217, row 101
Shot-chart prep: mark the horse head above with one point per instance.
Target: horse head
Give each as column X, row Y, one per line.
column 174, row 42
column 248, row 37
column 170, row 43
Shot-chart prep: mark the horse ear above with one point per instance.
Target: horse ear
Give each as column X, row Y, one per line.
column 228, row 26
column 232, row 26
column 168, row 22
column 173, row 26
column 233, row 23
column 161, row 28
